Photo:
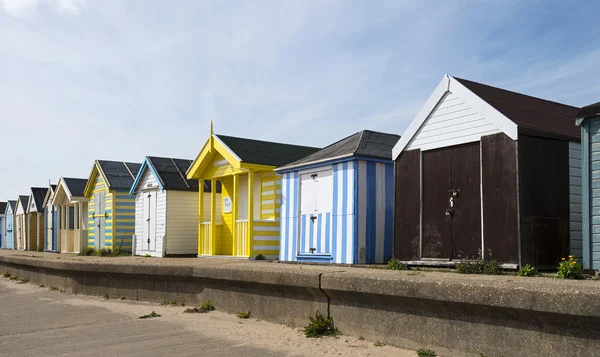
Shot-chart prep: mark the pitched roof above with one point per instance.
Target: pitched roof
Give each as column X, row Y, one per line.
column 12, row 204
column 589, row 111
column 24, row 201
column 171, row 173
column 120, row 175
column 75, row 185
column 533, row 115
column 264, row 152
column 2, row 207
column 366, row 143
column 39, row 193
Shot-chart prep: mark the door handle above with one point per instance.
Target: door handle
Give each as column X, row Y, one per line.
column 312, row 218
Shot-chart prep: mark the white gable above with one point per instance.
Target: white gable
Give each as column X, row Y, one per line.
column 453, row 115
column 9, row 209
column 147, row 181
column 31, row 207
column 20, row 208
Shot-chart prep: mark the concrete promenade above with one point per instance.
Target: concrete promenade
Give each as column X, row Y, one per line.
column 450, row 313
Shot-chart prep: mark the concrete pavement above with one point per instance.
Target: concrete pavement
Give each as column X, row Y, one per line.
column 36, row 321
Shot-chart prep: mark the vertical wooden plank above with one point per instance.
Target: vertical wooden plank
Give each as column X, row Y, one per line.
column 213, row 218
column 544, row 200
column 500, row 204
column 201, row 236
column 586, row 195
column 234, row 217
column 407, row 205
column 250, row 235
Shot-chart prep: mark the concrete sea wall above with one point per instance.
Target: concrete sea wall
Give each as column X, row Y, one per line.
column 458, row 315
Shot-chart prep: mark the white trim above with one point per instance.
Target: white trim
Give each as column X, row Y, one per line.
column 266, row 228
column 227, row 147
column 266, row 247
column 450, row 84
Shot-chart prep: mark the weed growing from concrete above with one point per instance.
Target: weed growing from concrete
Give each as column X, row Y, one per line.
column 196, row 310
column 477, row 265
column 394, row 264
column 150, row 315
column 243, row 315
column 426, row 353
column 173, row 303
column 6, row 275
column 379, row 344
column 569, row 269
column 527, row 270
column 260, row 257
column 53, row 288
column 22, row 281
column 40, row 250
column 87, row 251
column 320, row 325
column 147, row 256
column 208, row 306
column 13, row 278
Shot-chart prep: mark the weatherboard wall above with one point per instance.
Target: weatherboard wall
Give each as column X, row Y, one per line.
column 9, row 241
column 119, row 208
column 591, row 193
column 182, row 222
column 159, row 221
column 2, row 229
column 354, row 227
column 575, row 207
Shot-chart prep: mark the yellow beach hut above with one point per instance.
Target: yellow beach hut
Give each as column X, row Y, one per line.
column 111, row 210
column 244, row 222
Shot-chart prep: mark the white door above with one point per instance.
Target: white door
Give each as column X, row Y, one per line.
column 149, row 221
column 316, row 195
column 99, row 219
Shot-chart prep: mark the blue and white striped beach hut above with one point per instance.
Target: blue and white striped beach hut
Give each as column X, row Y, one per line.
column 337, row 204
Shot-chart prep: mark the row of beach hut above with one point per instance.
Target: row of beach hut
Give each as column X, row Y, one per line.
column 478, row 170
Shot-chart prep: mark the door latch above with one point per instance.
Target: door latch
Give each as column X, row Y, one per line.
column 312, row 218
column 312, row 250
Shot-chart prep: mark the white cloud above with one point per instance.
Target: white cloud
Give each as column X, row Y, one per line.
column 19, row 7
column 71, row 7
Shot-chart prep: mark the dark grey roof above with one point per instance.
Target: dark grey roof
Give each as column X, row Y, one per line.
column 120, row 175
column 53, row 187
column 39, row 193
column 534, row 116
column 171, row 173
column 2, row 207
column 366, row 143
column 75, row 185
column 591, row 110
column 265, row 152
column 24, row 201
column 12, row 204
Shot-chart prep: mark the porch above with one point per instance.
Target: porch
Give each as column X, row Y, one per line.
column 242, row 221
column 72, row 227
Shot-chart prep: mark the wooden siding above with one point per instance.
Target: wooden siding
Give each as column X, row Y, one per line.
column 500, row 200
column 342, row 230
column 575, row 209
column 452, row 122
column 182, row 222
column 99, row 186
column 592, row 184
column 10, row 229
column 374, row 207
column 35, row 230
column 141, row 246
column 2, row 230
column 268, row 195
column 543, row 200
column 265, row 239
column 407, row 205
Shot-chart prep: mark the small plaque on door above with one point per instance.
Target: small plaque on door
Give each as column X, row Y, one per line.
column 226, row 204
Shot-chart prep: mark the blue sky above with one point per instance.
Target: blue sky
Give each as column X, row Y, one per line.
column 119, row 80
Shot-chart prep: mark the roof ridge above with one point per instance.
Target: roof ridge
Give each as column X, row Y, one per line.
column 128, row 170
column 511, row 91
column 362, row 133
column 266, row 141
column 180, row 174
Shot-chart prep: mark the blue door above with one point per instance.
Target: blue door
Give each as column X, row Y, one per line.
column 9, row 239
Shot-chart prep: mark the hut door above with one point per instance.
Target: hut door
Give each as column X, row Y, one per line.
column 149, row 222
column 451, row 202
column 316, row 194
column 49, row 221
column 99, row 218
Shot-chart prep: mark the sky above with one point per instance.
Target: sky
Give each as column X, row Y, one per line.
column 120, row 80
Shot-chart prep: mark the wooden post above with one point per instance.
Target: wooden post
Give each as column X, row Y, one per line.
column 249, row 237
column 37, row 231
column 213, row 217
column 201, row 236
column 234, row 216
